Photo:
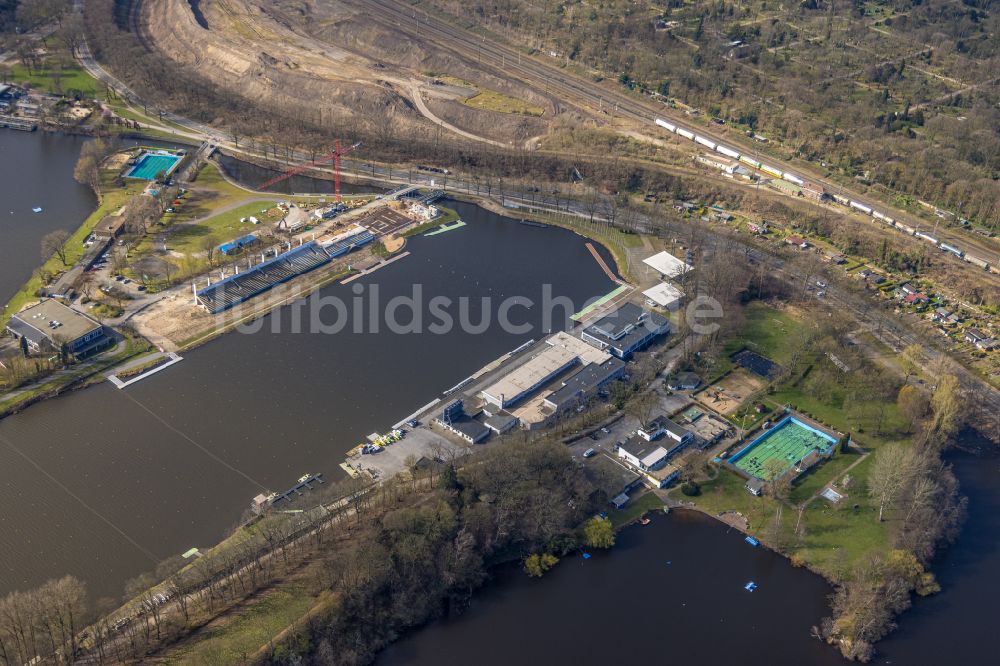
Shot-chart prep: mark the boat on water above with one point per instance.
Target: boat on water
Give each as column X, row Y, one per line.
column 645, row 521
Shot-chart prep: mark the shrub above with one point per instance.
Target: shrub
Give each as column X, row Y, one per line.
column 691, row 489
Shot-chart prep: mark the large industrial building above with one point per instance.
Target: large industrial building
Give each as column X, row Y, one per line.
column 562, row 352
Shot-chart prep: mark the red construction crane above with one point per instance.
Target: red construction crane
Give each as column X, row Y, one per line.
column 335, row 156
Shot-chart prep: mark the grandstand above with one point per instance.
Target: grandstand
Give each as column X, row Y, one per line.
column 345, row 245
column 235, row 289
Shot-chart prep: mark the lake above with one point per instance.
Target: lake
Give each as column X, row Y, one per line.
column 36, row 170
column 104, row 482
column 101, row 483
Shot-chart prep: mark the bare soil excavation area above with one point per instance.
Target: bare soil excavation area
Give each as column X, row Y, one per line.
column 332, row 60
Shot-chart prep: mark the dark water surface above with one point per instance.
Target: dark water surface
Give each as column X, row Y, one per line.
column 36, row 169
column 101, row 482
column 629, row 604
column 670, row 592
column 109, row 485
column 252, row 175
column 957, row 625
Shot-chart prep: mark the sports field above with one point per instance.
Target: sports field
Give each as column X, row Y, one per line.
column 149, row 166
column 789, row 442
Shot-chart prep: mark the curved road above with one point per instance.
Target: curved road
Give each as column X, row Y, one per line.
column 552, row 78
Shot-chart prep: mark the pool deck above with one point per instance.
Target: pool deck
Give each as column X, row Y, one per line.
column 791, row 418
column 142, row 165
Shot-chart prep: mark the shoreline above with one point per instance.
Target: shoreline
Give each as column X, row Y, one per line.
column 303, row 286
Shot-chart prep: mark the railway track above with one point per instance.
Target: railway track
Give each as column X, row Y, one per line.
column 590, row 96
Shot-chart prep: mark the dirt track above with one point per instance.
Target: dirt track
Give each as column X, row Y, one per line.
column 332, row 59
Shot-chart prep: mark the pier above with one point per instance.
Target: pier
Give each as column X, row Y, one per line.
column 458, row 224
column 304, row 484
column 14, row 122
column 159, row 362
column 603, row 265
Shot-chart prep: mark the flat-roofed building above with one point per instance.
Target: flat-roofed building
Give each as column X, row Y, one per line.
column 671, row 436
column 585, row 384
column 48, row 325
column 650, row 459
column 641, row 453
column 110, row 227
column 664, row 295
column 562, row 352
column 626, row 330
column 667, row 264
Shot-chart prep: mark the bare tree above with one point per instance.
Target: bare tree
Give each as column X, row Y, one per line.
column 892, row 467
column 54, row 243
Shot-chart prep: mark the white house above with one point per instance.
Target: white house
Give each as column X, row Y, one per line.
column 673, row 435
column 642, row 454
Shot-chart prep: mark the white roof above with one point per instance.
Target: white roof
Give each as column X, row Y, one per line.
column 667, row 264
column 560, row 350
column 655, row 456
column 664, row 294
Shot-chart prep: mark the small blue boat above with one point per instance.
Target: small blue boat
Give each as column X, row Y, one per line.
column 586, row 556
column 36, row 209
column 752, row 541
column 750, row 587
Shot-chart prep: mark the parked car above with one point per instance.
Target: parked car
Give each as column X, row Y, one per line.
column 589, row 453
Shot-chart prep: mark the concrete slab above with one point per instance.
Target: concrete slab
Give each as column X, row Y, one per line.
column 424, row 441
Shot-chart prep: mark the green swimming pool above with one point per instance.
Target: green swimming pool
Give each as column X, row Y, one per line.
column 788, row 441
column 150, row 165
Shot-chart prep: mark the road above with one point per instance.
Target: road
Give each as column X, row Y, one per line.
column 550, row 78
column 572, row 88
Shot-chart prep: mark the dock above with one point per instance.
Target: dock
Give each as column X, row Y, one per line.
column 17, row 123
column 304, row 484
column 168, row 358
column 602, row 264
column 372, row 269
column 607, row 298
column 458, row 224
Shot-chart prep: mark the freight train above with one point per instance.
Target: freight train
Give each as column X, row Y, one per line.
column 842, row 200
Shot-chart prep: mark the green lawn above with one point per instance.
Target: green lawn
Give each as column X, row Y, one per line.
column 643, row 504
column 859, row 418
column 814, row 480
column 852, row 531
column 828, row 528
column 189, row 238
column 238, row 637
column 767, row 332
column 58, row 77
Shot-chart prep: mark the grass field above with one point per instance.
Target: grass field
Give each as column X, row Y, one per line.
column 58, row 76
column 648, row 501
column 767, row 332
column 189, row 238
column 491, row 100
column 845, row 415
column 815, row 479
column 238, row 636
column 835, row 537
